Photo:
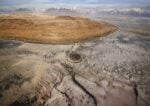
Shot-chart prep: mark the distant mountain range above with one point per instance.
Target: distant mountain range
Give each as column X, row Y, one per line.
column 18, row 10
column 62, row 11
column 3, row 11
column 26, row 10
column 130, row 11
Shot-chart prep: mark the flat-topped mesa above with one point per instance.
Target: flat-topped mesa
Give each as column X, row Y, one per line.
column 52, row 29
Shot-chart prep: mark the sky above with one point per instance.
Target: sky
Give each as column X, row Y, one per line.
column 73, row 2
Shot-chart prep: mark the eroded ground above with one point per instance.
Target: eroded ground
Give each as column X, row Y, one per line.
column 108, row 71
column 114, row 71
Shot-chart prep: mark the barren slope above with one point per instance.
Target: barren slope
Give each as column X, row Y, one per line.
column 51, row 29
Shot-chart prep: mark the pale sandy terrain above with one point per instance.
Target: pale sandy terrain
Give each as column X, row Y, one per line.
column 112, row 70
column 41, row 74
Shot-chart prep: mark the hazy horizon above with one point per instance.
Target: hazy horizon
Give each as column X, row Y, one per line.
column 42, row 3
